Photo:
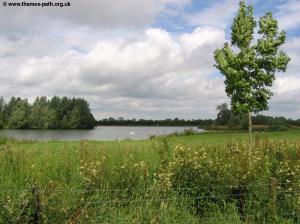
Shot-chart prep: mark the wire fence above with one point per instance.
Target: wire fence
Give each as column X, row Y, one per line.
column 155, row 188
column 177, row 189
column 269, row 189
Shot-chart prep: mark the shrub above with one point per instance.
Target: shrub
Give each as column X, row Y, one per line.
column 235, row 174
column 189, row 131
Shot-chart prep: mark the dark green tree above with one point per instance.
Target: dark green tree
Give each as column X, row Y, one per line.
column 224, row 114
column 8, row 108
column 55, row 113
column 81, row 116
column 38, row 113
column 42, row 115
column 249, row 68
column 19, row 118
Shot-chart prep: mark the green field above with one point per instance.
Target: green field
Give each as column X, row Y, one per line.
column 201, row 178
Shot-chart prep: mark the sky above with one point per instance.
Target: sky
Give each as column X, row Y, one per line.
column 148, row 59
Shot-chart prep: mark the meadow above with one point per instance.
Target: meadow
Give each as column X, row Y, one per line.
column 212, row 177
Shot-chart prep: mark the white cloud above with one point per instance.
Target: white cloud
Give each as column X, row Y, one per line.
column 286, row 88
column 217, row 15
column 149, row 73
column 287, row 84
column 101, row 50
column 200, row 36
column 289, row 15
column 99, row 14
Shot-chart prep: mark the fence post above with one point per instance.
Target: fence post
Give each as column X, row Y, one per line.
column 37, row 205
column 273, row 196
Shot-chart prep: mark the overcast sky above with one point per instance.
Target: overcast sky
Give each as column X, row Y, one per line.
column 135, row 58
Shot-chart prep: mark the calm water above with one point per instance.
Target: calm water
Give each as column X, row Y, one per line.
column 99, row 133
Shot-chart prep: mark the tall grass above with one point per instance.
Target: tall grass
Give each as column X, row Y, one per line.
column 149, row 182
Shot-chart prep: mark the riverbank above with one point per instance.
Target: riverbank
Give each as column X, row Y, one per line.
column 200, row 178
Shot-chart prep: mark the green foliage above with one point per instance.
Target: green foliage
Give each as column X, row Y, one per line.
column 189, row 131
column 220, row 176
column 168, row 180
column 19, row 117
column 228, row 120
column 243, row 27
column 55, row 113
column 3, row 140
column 80, row 116
column 250, row 71
column 224, row 114
column 143, row 122
column 42, row 116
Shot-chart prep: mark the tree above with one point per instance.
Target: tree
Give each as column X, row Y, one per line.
column 19, row 118
column 42, row 115
column 224, row 114
column 8, row 108
column 38, row 113
column 249, row 68
column 46, row 114
column 84, row 116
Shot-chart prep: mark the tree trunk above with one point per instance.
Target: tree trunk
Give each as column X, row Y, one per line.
column 250, row 128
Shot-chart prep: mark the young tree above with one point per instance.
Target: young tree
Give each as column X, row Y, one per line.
column 224, row 114
column 249, row 68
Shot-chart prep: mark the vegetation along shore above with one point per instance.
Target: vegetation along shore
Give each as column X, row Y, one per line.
column 197, row 178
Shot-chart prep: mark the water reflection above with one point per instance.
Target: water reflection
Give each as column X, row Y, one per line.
column 99, row 133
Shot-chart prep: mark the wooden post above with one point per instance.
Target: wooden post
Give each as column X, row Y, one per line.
column 250, row 139
column 273, row 196
column 250, row 127
column 37, row 205
column 298, row 151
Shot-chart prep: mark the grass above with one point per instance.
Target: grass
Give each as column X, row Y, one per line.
column 175, row 179
column 206, row 138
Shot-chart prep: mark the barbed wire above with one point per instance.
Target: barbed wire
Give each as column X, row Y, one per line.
column 153, row 188
column 139, row 200
column 294, row 214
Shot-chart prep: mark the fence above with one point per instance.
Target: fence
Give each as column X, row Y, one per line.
column 37, row 204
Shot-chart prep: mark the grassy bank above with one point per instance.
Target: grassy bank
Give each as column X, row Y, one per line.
column 203, row 178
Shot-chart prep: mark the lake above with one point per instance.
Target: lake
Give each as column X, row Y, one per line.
column 99, row 133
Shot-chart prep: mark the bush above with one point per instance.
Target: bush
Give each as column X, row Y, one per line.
column 278, row 127
column 3, row 141
column 234, row 174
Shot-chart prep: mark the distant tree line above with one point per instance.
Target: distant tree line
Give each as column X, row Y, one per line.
column 43, row 113
column 144, row 122
column 226, row 117
column 74, row 113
